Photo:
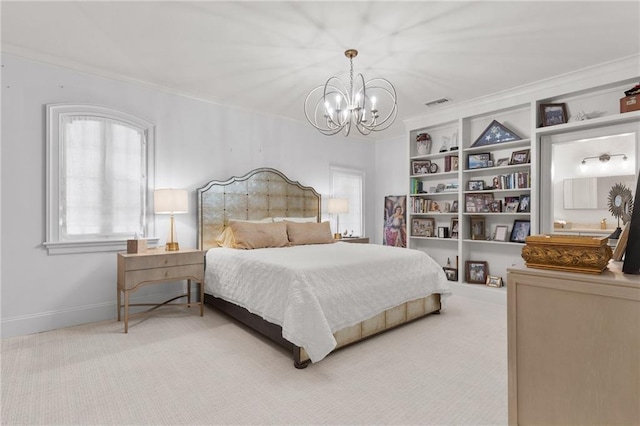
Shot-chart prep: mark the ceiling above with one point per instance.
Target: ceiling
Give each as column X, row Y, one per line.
column 266, row 56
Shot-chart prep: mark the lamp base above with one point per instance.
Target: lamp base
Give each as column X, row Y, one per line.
column 337, row 236
column 172, row 247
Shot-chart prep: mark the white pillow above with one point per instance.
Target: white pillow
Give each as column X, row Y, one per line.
column 296, row 219
column 265, row 220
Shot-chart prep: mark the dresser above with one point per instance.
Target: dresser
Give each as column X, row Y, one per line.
column 157, row 266
column 573, row 347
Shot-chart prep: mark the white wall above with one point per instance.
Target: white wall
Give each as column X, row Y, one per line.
column 196, row 142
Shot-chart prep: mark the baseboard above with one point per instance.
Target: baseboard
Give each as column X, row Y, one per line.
column 481, row 292
column 53, row 320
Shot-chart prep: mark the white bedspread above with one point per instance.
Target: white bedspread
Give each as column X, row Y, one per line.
column 312, row 291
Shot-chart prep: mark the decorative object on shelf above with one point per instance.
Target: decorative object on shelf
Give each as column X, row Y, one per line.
column 420, row 167
column 580, row 116
column 567, row 253
column 478, row 161
column 448, row 163
column 423, row 227
column 495, row 206
column 454, row 206
column 451, row 273
column 620, row 205
column 602, row 158
column 170, row 201
column 454, row 227
column 632, row 253
column 338, row 206
column 445, row 144
column 520, row 157
column 553, row 114
column 136, row 245
column 525, row 204
column 520, row 231
column 495, row 133
column 478, row 203
column 502, row 162
column 454, row 141
column 476, row 271
column 500, row 233
column 629, row 104
column 395, row 230
column 493, row 281
column 443, row 232
column 423, row 144
column 621, row 245
column 475, row 185
column 433, row 168
column 477, row 228
column 368, row 106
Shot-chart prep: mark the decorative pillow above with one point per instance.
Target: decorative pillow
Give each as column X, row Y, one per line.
column 309, row 233
column 226, row 239
column 249, row 235
column 313, row 219
column 265, row 220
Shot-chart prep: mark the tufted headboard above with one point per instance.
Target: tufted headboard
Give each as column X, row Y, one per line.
column 261, row 193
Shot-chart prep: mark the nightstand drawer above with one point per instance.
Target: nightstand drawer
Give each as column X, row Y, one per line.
column 134, row 278
column 142, row 262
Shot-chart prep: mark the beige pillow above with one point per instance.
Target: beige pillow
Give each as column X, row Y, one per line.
column 313, row 219
column 309, row 233
column 226, row 239
column 249, row 235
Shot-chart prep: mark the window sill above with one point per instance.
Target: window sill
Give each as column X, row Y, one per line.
column 75, row 247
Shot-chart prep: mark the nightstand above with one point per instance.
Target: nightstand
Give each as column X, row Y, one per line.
column 358, row 240
column 157, row 266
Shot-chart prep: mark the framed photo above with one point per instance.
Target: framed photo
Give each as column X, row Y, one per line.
column 495, row 206
column 475, row 185
column 454, row 206
column 525, row 203
column 454, row 227
column 423, row 227
column 420, row 167
column 493, row 281
column 511, row 207
column 496, row 132
column 451, row 273
column 478, row 161
column 448, row 163
column 476, row 271
column 553, row 114
column 433, row 168
column 455, row 163
column 521, row 230
column 501, row 233
column 443, row 232
column 478, row 228
column 502, row 162
column 520, row 157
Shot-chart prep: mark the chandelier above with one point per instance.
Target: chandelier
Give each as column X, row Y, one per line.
column 369, row 106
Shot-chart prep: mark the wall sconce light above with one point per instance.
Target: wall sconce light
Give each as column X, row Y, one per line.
column 603, row 158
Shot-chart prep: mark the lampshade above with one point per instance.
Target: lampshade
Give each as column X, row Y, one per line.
column 170, row 201
column 338, row 205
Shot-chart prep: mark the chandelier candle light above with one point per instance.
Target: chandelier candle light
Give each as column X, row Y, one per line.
column 170, row 201
column 369, row 106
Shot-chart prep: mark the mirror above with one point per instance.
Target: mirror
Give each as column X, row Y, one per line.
column 592, row 192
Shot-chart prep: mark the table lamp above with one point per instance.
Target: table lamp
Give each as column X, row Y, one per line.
column 170, row 201
column 337, row 206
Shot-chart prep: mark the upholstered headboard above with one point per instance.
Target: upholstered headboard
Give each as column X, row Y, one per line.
column 261, row 193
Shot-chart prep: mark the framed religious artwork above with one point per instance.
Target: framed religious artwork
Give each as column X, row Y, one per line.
column 476, row 271
column 496, row 132
column 553, row 114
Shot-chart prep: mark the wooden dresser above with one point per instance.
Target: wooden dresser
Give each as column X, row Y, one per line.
column 573, row 347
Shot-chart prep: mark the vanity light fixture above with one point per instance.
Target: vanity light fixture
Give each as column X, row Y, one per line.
column 603, row 158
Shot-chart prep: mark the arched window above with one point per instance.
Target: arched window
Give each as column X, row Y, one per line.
column 100, row 172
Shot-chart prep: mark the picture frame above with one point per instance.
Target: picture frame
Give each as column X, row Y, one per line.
column 495, row 206
column 520, row 157
column 448, row 162
column 423, row 227
column 553, row 114
column 500, row 233
column 477, row 228
column 454, row 206
column 502, row 162
column 495, row 133
column 511, row 207
column 451, row 273
column 433, row 168
column 525, row 204
column 494, row 281
column 455, row 229
column 478, row 161
column 475, row 185
column 455, row 163
column 443, row 232
column 420, row 167
column 476, row 271
column 520, row 231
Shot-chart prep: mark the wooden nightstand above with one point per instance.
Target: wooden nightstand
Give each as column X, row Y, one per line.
column 157, row 266
column 359, row 240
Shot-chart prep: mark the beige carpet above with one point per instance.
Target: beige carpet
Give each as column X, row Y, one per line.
column 175, row 367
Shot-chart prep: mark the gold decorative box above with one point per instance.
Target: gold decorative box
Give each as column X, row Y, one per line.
column 567, row 253
column 136, row 246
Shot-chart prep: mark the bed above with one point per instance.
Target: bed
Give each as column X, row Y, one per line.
column 308, row 293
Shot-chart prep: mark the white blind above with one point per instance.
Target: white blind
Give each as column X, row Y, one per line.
column 348, row 183
column 102, row 178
